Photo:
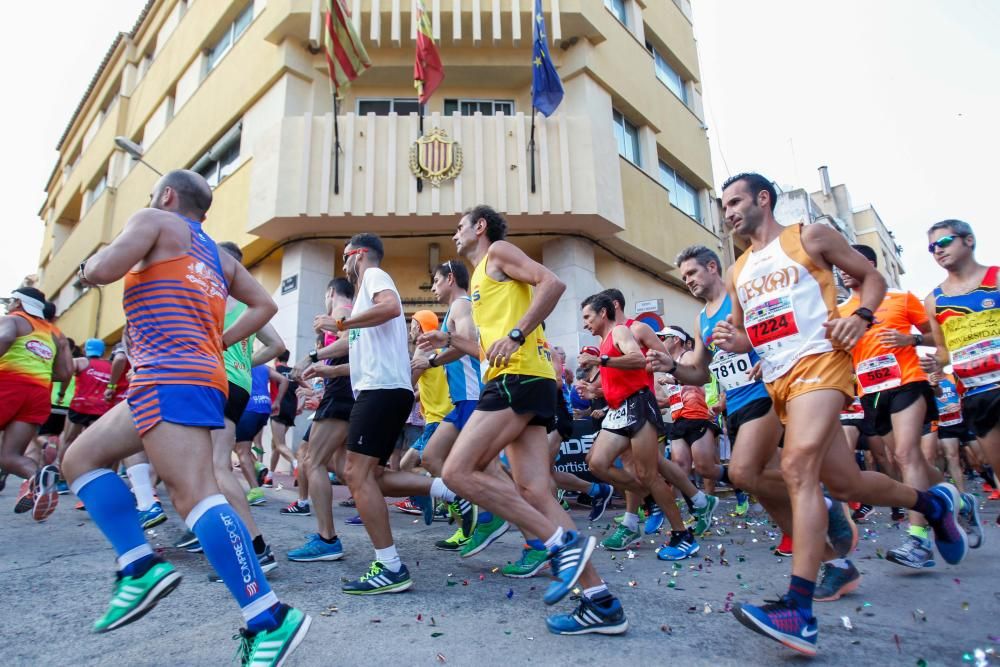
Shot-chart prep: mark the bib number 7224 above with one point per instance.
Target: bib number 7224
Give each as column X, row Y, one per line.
column 765, row 331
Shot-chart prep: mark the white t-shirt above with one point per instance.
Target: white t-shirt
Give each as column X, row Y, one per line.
column 379, row 355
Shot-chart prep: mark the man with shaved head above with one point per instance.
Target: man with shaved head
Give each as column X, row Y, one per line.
column 176, row 286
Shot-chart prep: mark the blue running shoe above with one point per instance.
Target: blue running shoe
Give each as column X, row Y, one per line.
column 154, row 516
column 604, row 617
column 782, row 622
column 315, row 549
column 62, row 488
column 655, row 520
column 379, row 579
column 567, row 564
column 681, row 546
column 841, row 530
column 599, row 502
column 426, row 506
column 949, row 538
column 355, row 521
column 971, row 522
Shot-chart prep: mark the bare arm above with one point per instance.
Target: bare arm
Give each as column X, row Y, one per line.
column 632, row 358
column 273, row 346
column 135, row 241
column 8, row 332
column 275, row 376
column 260, row 306
column 63, row 366
column 730, row 334
column 941, row 358
column 514, row 263
column 463, row 340
column 691, row 369
column 387, row 306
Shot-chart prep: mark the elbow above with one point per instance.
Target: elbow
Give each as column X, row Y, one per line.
column 279, row 348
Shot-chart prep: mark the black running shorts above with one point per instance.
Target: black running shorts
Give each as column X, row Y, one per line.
column 522, row 394
column 334, row 405
column 692, row 430
column 81, row 419
column 236, row 403
column 635, row 412
column 376, row 420
column 55, row 423
column 981, row 412
column 755, row 409
column 880, row 406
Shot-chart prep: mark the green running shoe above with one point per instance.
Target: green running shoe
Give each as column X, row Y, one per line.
column 453, row 543
column 270, row 648
column 484, row 535
column 620, row 539
column 255, row 496
column 380, row 579
column 531, row 563
column 134, row 597
column 705, row 514
column 641, row 515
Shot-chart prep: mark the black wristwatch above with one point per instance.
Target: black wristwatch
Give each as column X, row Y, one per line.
column 431, row 359
column 314, row 356
column 517, row 336
column 672, row 368
column 865, row 314
column 605, row 359
column 918, row 339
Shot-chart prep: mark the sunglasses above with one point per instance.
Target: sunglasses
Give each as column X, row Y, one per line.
column 942, row 242
column 354, row 252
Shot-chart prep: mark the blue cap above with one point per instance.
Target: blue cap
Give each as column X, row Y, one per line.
column 94, row 347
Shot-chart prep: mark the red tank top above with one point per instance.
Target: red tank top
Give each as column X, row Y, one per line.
column 88, row 398
column 618, row 383
column 687, row 402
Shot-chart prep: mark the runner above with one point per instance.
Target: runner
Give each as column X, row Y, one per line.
column 33, row 354
column 282, row 418
column 432, row 392
column 944, row 437
column 784, row 308
column 382, row 383
column 964, row 313
column 93, row 374
column 511, row 295
column 256, row 414
column 175, row 297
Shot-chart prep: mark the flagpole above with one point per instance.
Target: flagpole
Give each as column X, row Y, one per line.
column 420, row 133
column 531, row 149
column 336, row 145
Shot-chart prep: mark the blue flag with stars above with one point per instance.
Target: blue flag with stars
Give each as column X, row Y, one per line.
column 546, row 88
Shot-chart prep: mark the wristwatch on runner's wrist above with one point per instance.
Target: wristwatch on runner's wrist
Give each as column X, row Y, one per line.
column 605, row 359
column 313, row 356
column 432, row 359
column 865, row 314
column 918, row 339
column 517, row 336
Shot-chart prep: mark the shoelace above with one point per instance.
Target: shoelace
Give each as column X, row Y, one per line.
column 245, row 646
column 373, row 571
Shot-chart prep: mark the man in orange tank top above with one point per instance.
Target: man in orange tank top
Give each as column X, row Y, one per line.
column 176, row 285
column 784, row 308
column 33, row 354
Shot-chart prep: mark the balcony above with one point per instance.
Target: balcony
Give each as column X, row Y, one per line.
column 578, row 188
column 87, row 235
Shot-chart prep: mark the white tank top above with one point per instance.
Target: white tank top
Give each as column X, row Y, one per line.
column 786, row 299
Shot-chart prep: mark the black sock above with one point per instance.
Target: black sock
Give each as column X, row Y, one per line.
column 725, row 475
column 329, row 541
column 986, row 472
column 259, row 545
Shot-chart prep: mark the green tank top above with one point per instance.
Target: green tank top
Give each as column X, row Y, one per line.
column 238, row 357
column 712, row 392
column 70, row 388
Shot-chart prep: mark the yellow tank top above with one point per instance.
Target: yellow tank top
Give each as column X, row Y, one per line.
column 497, row 306
column 434, row 399
column 31, row 356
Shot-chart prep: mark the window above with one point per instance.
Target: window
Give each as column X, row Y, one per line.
column 669, row 76
column 683, row 195
column 95, row 191
column 627, row 135
column 233, row 32
column 485, row 107
column 383, row 107
column 617, row 7
column 220, row 160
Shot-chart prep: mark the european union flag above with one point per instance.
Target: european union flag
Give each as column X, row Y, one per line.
column 546, row 88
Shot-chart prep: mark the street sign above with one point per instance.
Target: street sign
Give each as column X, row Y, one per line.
column 649, row 306
column 290, row 284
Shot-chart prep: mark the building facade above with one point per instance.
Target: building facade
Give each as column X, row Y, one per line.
column 832, row 206
column 238, row 91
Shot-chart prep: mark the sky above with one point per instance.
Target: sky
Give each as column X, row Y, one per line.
column 897, row 97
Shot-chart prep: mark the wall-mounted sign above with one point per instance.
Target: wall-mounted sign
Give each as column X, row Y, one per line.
column 290, row 284
column 649, row 306
column 435, row 157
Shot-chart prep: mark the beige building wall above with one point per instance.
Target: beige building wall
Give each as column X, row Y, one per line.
column 190, row 76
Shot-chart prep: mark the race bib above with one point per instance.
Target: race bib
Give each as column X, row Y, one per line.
column 854, row 411
column 770, row 321
column 979, row 363
column 616, row 419
column 676, row 402
column 732, row 370
column 950, row 417
column 879, row 373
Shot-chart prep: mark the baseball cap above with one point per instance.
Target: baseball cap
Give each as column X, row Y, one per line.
column 428, row 320
column 94, row 347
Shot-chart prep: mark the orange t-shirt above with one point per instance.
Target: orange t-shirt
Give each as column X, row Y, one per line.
column 878, row 367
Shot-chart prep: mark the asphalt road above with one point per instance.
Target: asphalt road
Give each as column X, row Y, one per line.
column 57, row 576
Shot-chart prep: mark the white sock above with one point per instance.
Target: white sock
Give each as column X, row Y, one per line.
column 842, row 563
column 631, row 521
column 699, row 500
column 829, row 503
column 556, row 540
column 389, row 557
column 439, row 490
column 302, row 502
column 138, row 475
column 591, row 593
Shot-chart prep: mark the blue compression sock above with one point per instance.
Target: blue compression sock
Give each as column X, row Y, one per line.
column 229, row 549
column 800, row 591
column 112, row 507
column 484, row 517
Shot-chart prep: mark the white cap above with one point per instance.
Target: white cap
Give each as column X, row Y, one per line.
column 31, row 305
column 670, row 331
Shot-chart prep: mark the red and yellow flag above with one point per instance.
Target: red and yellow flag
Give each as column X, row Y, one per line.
column 346, row 57
column 428, row 72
